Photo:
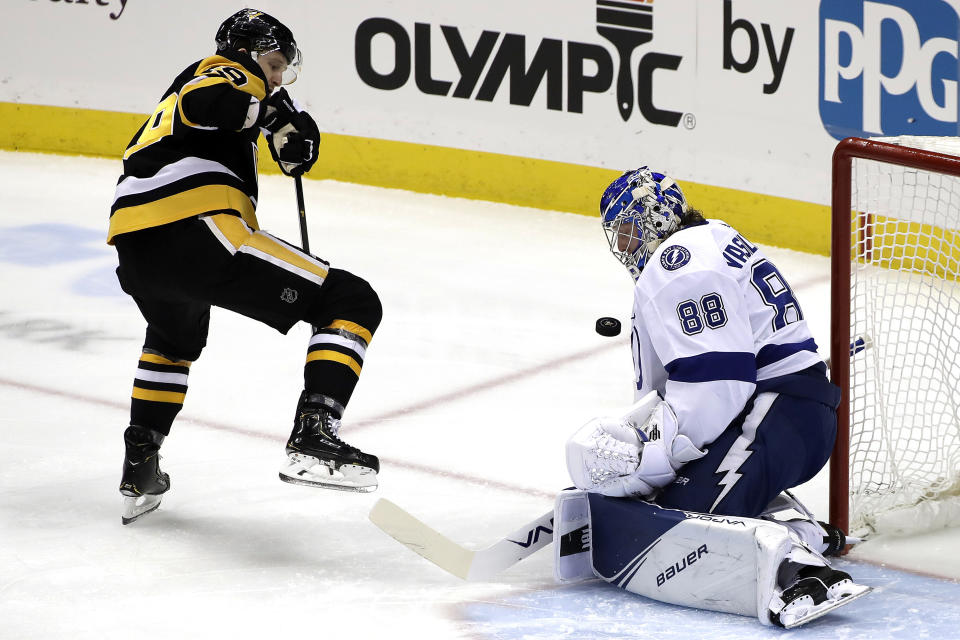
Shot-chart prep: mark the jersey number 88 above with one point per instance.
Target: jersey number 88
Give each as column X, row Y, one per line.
column 709, row 311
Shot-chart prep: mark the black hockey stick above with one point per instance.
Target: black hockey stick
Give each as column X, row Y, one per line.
column 302, row 212
column 304, row 240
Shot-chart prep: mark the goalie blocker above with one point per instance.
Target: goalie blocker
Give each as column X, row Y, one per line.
column 746, row 566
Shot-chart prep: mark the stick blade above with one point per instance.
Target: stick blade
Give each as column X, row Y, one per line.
column 421, row 539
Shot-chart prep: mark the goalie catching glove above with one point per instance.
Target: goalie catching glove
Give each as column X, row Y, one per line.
column 292, row 135
column 631, row 456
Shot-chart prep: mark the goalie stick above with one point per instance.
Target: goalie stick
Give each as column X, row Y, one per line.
column 464, row 563
column 483, row 564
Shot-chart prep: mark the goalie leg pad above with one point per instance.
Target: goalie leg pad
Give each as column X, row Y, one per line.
column 716, row 563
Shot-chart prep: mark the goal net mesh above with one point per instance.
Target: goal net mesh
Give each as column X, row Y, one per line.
column 905, row 389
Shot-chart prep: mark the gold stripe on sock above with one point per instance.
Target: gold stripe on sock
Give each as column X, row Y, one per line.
column 158, row 359
column 172, row 397
column 335, row 356
column 352, row 327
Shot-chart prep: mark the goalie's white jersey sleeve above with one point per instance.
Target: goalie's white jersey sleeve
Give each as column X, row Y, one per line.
column 712, row 318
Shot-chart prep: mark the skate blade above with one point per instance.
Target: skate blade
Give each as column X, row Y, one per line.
column 311, row 472
column 135, row 507
column 822, row 609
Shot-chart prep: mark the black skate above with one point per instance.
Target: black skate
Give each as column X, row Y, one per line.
column 319, row 458
column 143, row 482
column 838, row 583
column 816, row 592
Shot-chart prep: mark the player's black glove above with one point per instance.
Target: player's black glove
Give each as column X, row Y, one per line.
column 295, row 150
column 292, row 135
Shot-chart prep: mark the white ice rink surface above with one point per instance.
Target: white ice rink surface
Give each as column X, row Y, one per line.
column 485, row 362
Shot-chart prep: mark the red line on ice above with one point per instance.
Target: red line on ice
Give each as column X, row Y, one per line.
column 416, row 407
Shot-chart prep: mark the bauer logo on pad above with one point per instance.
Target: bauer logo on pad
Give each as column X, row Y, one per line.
column 888, row 67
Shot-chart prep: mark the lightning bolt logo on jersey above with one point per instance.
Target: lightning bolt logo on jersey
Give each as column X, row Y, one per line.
column 889, row 67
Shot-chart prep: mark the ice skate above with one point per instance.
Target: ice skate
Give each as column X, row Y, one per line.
column 142, row 483
column 317, row 457
column 816, row 592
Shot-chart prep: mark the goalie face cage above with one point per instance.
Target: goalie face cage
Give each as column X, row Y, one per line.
column 895, row 257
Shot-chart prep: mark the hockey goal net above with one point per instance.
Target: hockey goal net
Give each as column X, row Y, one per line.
column 895, row 268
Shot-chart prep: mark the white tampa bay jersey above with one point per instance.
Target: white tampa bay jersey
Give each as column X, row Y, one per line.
column 712, row 316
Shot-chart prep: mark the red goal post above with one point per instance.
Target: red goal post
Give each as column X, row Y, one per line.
column 894, row 242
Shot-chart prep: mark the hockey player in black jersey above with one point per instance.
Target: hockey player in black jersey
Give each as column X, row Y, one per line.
column 184, row 224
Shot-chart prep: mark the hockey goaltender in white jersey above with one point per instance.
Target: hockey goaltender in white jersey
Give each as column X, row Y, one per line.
column 733, row 408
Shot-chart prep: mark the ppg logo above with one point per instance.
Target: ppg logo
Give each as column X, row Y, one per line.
column 889, row 67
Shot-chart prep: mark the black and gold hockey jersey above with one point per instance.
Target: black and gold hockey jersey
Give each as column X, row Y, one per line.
column 197, row 152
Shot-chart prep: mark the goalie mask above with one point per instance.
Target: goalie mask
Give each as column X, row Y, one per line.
column 259, row 33
column 639, row 210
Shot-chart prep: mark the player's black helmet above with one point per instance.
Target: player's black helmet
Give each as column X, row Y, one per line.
column 258, row 33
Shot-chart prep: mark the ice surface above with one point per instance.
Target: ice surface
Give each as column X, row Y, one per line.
column 486, row 361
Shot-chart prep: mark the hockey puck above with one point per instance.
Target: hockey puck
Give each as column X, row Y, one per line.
column 608, row 327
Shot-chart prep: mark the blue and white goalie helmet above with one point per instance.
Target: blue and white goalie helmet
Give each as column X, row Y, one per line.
column 639, row 210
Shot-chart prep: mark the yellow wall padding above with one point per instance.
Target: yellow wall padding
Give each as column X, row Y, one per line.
column 530, row 182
